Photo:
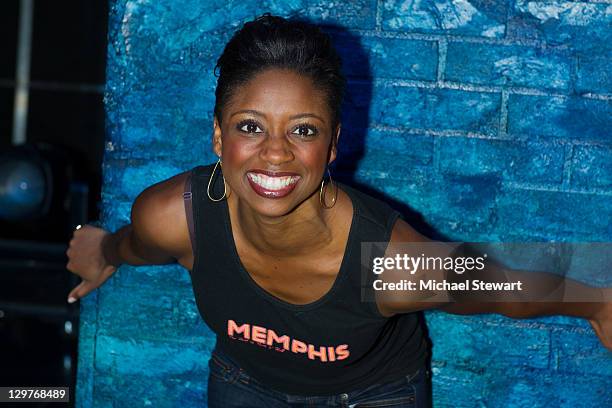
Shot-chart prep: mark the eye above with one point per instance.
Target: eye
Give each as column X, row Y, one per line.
column 249, row 126
column 305, row 130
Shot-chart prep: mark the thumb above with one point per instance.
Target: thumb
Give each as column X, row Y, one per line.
column 600, row 333
column 80, row 290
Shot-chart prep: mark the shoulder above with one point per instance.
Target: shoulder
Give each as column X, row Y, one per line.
column 381, row 213
column 158, row 216
column 404, row 232
column 378, row 213
column 393, row 302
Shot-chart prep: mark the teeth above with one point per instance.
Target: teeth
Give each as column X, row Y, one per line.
column 272, row 183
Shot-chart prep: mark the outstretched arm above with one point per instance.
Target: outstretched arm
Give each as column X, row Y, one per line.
column 543, row 293
column 157, row 234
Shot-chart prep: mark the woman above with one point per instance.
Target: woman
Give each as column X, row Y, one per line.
column 274, row 250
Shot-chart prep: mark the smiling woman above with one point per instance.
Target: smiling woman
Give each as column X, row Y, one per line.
column 266, row 145
column 273, row 247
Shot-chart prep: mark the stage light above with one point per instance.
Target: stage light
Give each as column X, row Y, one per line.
column 43, row 193
column 23, row 189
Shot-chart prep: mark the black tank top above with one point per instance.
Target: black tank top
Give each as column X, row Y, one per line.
column 333, row 345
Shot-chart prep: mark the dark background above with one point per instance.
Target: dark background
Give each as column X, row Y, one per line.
column 38, row 329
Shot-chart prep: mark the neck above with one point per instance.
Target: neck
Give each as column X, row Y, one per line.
column 302, row 231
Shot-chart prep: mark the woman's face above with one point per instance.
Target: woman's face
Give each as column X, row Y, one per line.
column 275, row 141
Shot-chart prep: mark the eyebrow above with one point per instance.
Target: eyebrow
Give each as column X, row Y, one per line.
column 298, row 116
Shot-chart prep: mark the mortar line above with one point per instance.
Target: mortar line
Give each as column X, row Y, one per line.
column 378, row 23
column 554, row 189
column 511, row 90
column 454, row 37
column 503, row 115
column 567, row 166
column 442, row 52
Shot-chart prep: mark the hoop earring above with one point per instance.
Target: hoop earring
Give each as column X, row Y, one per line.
column 224, row 196
column 322, row 192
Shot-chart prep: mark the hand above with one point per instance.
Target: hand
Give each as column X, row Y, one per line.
column 601, row 321
column 86, row 259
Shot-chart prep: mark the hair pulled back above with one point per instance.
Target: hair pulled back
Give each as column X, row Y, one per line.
column 275, row 42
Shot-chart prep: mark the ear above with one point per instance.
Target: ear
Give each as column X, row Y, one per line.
column 334, row 144
column 217, row 140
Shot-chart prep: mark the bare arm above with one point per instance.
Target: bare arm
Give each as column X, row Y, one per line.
column 157, row 234
column 598, row 312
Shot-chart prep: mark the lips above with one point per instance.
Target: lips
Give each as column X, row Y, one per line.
column 272, row 185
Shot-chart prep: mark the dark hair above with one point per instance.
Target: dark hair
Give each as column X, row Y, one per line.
column 275, row 42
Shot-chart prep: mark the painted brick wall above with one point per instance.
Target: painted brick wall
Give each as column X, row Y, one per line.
column 490, row 120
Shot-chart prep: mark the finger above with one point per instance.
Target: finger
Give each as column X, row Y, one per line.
column 595, row 327
column 607, row 343
column 81, row 290
column 108, row 271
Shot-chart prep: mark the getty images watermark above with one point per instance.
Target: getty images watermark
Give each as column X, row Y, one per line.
column 486, row 272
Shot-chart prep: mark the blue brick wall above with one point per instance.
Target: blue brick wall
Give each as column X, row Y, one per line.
column 490, row 119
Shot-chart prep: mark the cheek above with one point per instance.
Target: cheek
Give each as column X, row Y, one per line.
column 313, row 159
column 314, row 155
column 237, row 151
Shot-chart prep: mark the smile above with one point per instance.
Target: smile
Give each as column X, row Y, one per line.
column 272, row 186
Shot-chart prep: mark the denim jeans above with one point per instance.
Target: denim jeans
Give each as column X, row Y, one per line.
column 230, row 387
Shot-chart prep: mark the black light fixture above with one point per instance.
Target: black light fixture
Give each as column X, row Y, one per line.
column 41, row 198
column 25, row 185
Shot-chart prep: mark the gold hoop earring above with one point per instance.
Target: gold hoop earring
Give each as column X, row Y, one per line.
column 212, row 175
column 322, row 192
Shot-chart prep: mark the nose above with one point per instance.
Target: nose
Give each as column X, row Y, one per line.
column 276, row 149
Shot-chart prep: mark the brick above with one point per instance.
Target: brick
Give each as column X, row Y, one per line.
column 454, row 387
column 438, row 109
column 541, row 388
column 162, row 359
column 487, row 64
column 457, row 387
column 469, row 342
column 368, row 57
column 140, row 134
column 560, row 117
column 154, row 275
column 360, row 14
column 173, row 94
column 593, row 74
column 465, row 199
column 128, row 312
column 515, row 386
column 372, row 147
column 167, row 50
column 581, row 353
column 579, row 25
column 191, row 38
column 88, row 324
column 568, row 216
column 592, row 167
column 480, row 18
column 163, row 392
column 115, row 211
column 515, row 161
column 132, row 177
column 160, row 35
column 453, row 207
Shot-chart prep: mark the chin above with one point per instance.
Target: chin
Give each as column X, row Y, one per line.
column 271, row 207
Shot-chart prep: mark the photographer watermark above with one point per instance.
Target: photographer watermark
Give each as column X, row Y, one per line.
column 486, row 272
